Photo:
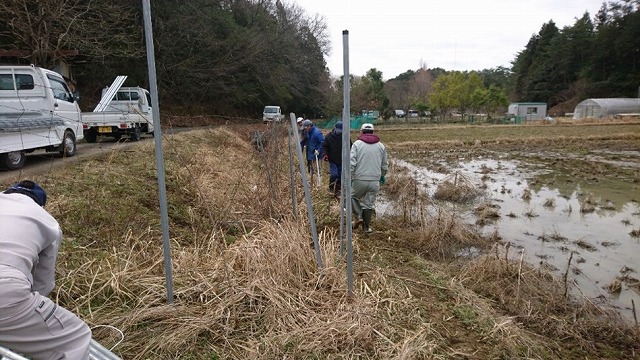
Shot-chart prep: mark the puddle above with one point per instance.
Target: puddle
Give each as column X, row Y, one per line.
column 550, row 213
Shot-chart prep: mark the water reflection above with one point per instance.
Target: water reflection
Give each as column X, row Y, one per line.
column 550, row 215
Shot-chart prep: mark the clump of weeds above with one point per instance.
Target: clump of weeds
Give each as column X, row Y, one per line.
column 456, row 188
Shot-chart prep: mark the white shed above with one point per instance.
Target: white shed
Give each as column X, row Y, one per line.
column 527, row 110
column 602, row 108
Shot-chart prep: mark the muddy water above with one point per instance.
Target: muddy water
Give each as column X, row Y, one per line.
column 553, row 214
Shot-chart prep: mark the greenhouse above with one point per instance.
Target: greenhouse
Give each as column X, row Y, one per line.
column 603, row 108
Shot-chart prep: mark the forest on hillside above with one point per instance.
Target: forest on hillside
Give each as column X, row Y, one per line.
column 232, row 57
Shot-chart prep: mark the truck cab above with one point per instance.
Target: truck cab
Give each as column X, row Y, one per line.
column 37, row 112
column 127, row 113
column 272, row 113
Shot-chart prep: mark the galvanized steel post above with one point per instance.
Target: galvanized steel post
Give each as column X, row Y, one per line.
column 346, row 153
column 162, row 190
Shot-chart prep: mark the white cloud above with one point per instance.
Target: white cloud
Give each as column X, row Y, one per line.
column 394, row 36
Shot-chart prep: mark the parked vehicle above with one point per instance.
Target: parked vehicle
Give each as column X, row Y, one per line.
column 413, row 113
column 123, row 111
column 272, row 113
column 37, row 112
column 399, row 113
column 373, row 114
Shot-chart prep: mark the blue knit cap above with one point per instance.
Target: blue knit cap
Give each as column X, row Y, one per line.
column 31, row 189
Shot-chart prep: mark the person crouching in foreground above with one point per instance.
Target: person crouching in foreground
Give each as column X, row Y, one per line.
column 368, row 169
column 30, row 323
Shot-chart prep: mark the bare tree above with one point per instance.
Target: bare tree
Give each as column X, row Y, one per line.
column 420, row 86
column 44, row 31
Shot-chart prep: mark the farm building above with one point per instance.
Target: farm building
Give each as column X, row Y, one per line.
column 527, row 111
column 602, row 108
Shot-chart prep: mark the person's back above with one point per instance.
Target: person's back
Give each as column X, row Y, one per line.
column 369, row 158
column 368, row 166
column 332, row 148
column 30, row 323
column 27, row 231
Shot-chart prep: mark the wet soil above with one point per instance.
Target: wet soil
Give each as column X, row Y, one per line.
column 553, row 202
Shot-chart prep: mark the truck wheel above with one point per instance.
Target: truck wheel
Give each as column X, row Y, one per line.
column 68, row 144
column 13, row 160
column 91, row 136
column 135, row 134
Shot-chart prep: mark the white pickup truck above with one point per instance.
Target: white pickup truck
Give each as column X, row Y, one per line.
column 272, row 113
column 124, row 111
column 37, row 112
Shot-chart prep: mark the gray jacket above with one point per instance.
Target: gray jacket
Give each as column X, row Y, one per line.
column 368, row 158
column 29, row 240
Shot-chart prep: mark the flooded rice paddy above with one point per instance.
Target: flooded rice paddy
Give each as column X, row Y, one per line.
column 556, row 210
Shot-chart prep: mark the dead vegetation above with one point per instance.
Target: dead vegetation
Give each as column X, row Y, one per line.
column 533, row 298
column 486, row 213
column 456, row 188
column 246, row 284
column 438, row 235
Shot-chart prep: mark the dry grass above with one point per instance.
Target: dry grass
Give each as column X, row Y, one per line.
column 533, row 298
column 237, row 304
column 406, row 193
column 441, row 235
column 456, row 188
column 246, row 284
column 486, row 213
column 245, row 281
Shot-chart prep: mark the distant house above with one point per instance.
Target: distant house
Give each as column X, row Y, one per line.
column 527, row 111
column 607, row 107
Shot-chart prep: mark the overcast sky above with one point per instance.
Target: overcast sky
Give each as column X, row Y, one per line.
column 394, row 36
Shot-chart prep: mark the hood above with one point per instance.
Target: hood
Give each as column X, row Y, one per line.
column 369, row 138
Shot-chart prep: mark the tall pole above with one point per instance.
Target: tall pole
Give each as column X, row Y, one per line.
column 307, row 194
column 292, row 176
column 346, row 152
column 157, row 130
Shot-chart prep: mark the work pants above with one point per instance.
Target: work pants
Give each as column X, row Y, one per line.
column 335, row 175
column 33, row 325
column 363, row 195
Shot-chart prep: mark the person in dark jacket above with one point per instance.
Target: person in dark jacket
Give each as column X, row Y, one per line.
column 313, row 141
column 333, row 154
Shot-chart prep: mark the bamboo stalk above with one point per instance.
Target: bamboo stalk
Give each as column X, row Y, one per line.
column 635, row 316
column 566, row 275
column 519, row 276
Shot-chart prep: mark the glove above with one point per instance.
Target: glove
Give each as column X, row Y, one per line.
column 382, row 180
column 325, row 158
column 316, row 152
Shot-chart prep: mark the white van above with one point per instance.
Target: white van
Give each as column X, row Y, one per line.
column 37, row 111
column 271, row 113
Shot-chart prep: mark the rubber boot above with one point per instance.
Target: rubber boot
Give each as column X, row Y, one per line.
column 366, row 218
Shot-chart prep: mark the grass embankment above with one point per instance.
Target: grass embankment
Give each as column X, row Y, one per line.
column 246, row 283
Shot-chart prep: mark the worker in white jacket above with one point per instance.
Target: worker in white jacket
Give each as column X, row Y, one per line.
column 30, row 323
column 368, row 169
